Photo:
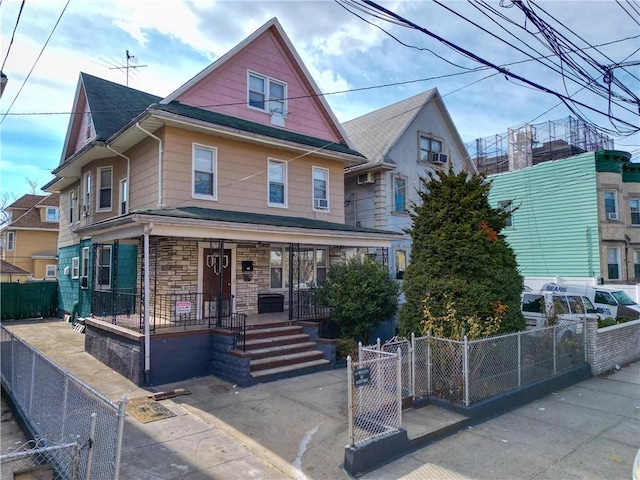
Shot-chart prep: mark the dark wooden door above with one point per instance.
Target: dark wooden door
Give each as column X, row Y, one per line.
column 211, row 265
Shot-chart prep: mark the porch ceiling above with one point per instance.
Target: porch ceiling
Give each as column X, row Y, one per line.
column 198, row 222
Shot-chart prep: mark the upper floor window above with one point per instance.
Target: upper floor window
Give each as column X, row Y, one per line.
column 104, row 188
column 507, row 207
column 320, row 188
column 399, row 194
column 267, row 94
column 72, row 205
column 103, row 267
column 75, row 267
column 634, row 206
column 613, row 263
column 88, row 127
column 52, row 214
column 611, row 205
column 204, row 172
column 124, row 196
column 277, row 183
column 86, row 193
column 11, row 243
column 431, row 150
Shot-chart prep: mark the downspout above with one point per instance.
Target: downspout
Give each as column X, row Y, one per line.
column 160, row 152
column 147, row 338
column 128, row 172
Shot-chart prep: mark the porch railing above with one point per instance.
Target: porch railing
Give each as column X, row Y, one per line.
column 237, row 323
column 307, row 305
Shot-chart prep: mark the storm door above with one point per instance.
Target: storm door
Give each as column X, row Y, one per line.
column 216, row 283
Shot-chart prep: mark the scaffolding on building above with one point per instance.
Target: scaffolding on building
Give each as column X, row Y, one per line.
column 532, row 144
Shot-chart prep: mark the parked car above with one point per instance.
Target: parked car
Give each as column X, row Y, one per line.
column 545, row 308
column 609, row 302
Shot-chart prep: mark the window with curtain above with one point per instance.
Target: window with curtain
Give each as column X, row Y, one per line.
column 399, row 194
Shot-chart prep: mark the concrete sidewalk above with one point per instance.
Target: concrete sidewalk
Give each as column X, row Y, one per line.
column 296, row 428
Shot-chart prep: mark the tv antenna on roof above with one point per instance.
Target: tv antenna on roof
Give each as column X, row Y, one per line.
column 132, row 62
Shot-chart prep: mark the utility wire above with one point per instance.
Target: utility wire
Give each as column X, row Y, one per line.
column 12, row 35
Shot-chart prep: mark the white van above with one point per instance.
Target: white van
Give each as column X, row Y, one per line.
column 539, row 307
column 609, row 302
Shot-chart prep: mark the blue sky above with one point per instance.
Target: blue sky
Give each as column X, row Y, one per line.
column 177, row 39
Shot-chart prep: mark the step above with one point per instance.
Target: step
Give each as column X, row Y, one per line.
column 272, row 331
column 284, row 360
column 288, row 368
column 266, row 342
column 281, row 350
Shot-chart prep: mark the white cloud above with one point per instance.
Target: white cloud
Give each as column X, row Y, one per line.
column 132, row 29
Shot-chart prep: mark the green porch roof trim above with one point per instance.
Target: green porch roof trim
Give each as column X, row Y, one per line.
column 631, row 173
column 555, row 226
column 112, row 105
column 253, row 127
column 611, row 161
column 199, row 213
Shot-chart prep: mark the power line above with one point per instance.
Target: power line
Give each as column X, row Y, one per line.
column 12, row 35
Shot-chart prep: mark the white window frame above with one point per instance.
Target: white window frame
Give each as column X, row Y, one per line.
column 616, row 251
column 85, row 262
column 394, row 205
column 86, row 193
column 507, row 205
column 271, row 163
column 284, row 252
column 11, row 241
column 48, row 273
column 100, row 188
column 75, row 268
column 124, row 197
column 56, row 214
column 100, row 266
column 320, row 204
column 634, row 210
column 214, row 172
column 268, row 97
column 72, row 205
column 615, row 214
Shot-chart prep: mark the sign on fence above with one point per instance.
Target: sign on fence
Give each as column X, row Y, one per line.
column 183, row 308
column 361, row 376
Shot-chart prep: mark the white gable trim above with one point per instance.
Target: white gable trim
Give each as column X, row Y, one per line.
column 79, row 90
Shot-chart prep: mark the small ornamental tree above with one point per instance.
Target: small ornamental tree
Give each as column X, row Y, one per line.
column 463, row 276
column 361, row 295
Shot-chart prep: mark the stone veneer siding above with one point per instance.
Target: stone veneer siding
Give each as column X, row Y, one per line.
column 611, row 346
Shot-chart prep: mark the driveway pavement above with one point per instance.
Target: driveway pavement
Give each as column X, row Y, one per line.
column 296, row 428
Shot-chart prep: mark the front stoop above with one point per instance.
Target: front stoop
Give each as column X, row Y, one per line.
column 280, row 350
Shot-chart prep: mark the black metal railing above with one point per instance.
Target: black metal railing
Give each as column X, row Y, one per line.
column 307, row 305
column 237, row 323
column 186, row 310
column 117, row 304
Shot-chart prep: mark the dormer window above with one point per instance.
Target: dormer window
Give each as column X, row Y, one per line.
column 266, row 94
column 52, row 214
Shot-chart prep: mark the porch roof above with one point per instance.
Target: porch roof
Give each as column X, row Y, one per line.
column 238, row 226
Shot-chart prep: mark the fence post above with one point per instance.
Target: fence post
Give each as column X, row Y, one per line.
column 412, row 359
column 92, row 436
column 465, row 368
column 399, row 385
column 33, row 379
column 122, row 411
column 378, row 344
column 429, row 362
column 350, row 398
column 519, row 360
column 359, row 351
column 64, row 407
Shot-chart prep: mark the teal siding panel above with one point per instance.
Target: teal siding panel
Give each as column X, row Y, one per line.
column 127, row 266
column 555, row 228
column 68, row 287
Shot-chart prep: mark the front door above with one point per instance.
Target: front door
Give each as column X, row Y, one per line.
column 212, row 263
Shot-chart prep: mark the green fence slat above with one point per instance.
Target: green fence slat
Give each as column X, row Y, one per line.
column 28, row 300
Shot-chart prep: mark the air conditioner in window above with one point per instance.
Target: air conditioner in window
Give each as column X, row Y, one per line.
column 84, row 282
column 612, row 216
column 438, row 157
column 366, row 178
column 321, row 203
column 85, row 210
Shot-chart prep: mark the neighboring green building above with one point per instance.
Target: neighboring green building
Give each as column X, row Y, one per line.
column 575, row 217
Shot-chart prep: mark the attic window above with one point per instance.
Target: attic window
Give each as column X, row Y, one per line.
column 266, row 94
column 88, row 127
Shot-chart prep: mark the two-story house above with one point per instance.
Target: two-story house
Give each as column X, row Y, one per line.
column 401, row 141
column 181, row 216
column 574, row 217
column 30, row 238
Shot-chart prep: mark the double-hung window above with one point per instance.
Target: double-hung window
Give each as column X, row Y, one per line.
column 86, row 193
column 72, row 205
column 75, row 267
column 399, row 194
column 266, row 94
column 431, row 150
column 124, row 196
column 634, row 206
column 52, row 214
column 85, row 262
column 611, row 205
column 105, row 182
column 613, row 263
column 11, row 241
column 204, row 172
column 103, row 267
column 507, row 207
column 50, row 271
column 277, row 183
column 320, row 189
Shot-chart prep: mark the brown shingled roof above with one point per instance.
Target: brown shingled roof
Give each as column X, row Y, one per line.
column 7, row 268
column 31, row 218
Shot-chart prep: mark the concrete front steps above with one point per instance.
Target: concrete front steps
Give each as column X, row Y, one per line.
column 281, row 350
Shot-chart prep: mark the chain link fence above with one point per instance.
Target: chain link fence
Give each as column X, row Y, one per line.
column 35, row 460
column 60, row 409
column 374, row 395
